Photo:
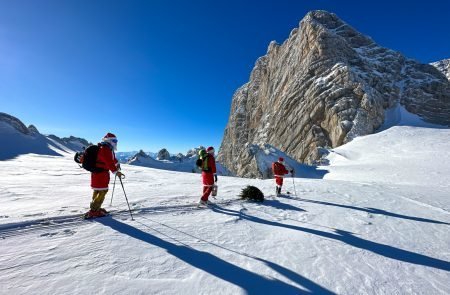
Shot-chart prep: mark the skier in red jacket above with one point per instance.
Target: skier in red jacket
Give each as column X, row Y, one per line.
column 209, row 176
column 279, row 170
column 106, row 159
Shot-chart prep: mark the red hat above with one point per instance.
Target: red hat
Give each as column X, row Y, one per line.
column 109, row 136
column 280, row 159
column 210, row 150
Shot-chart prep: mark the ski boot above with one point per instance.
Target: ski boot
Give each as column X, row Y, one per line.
column 94, row 214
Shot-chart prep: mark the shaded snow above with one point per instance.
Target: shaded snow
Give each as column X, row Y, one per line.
column 399, row 116
column 15, row 143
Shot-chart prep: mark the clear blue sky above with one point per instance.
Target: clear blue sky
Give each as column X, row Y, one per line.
column 162, row 73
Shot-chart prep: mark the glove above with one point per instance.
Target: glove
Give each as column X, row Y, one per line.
column 120, row 174
column 215, row 177
column 292, row 172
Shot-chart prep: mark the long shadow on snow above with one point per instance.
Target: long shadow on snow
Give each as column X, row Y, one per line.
column 251, row 282
column 373, row 211
column 350, row 239
column 278, row 205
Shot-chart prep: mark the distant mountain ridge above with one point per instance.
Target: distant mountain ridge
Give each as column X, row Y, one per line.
column 20, row 140
column 165, row 161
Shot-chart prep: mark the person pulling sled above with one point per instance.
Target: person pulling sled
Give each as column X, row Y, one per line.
column 279, row 170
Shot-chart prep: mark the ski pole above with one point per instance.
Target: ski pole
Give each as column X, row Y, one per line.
column 114, row 186
column 120, row 178
column 293, row 182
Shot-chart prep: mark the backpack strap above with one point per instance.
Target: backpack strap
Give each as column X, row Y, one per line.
column 205, row 163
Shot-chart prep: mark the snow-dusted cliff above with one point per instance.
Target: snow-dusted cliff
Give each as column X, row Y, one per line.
column 324, row 86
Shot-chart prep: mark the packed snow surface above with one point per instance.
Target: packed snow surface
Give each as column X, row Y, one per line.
column 377, row 224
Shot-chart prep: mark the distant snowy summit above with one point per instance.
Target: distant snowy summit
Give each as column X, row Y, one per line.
column 165, row 161
column 324, row 86
column 443, row 66
column 18, row 139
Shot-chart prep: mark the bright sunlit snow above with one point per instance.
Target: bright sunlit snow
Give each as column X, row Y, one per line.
column 377, row 224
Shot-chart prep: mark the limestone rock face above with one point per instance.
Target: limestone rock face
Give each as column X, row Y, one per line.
column 443, row 66
column 325, row 85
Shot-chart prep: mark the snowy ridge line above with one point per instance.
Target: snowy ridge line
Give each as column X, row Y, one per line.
column 20, row 228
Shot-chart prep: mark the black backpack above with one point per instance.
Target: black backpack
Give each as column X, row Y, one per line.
column 199, row 163
column 88, row 158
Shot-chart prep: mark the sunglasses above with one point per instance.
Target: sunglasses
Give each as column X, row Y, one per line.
column 114, row 140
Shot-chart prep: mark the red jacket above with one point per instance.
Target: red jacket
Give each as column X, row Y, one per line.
column 211, row 164
column 279, row 169
column 208, row 176
column 106, row 159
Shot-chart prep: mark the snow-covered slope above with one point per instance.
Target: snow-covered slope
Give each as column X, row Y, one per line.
column 408, row 151
column 17, row 139
column 16, row 143
column 377, row 224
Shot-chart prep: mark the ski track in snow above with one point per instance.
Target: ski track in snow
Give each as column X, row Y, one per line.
column 360, row 232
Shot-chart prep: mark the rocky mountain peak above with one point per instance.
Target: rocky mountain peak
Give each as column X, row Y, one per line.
column 142, row 154
column 443, row 66
column 33, row 130
column 163, row 154
column 325, row 85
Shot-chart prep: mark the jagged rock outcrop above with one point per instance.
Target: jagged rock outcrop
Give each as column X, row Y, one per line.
column 325, row 85
column 193, row 153
column 179, row 157
column 443, row 66
column 33, row 130
column 140, row 154
column 76, row 140
column 163, row 154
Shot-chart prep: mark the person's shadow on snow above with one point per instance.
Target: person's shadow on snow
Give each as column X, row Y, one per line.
column 350, row 239
column 279, row 205
column 372, row 211
column 251, row 282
